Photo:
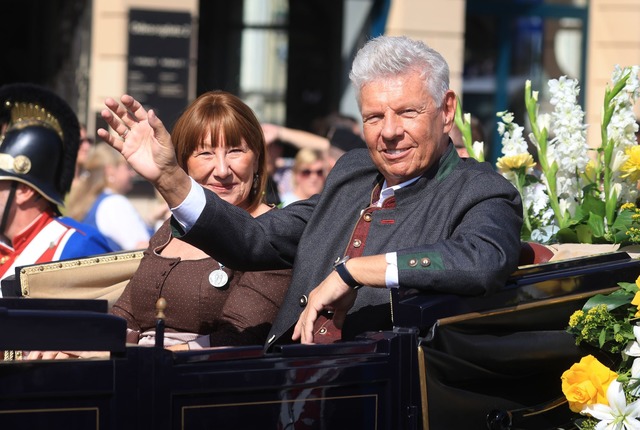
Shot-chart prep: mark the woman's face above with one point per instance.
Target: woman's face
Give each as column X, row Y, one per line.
column 310, row 179
column 228, row 172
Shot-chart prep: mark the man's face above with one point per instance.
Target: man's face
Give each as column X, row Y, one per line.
column 405, row 129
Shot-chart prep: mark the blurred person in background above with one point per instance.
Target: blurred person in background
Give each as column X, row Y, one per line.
column 308, row 176
column 99, row 199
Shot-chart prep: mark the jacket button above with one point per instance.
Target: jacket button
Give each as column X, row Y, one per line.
column 425, row 262
column 303, row 301
column 367, row 217
column 357, row 243
column 413, row 262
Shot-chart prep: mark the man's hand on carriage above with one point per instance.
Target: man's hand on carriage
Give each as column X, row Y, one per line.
column 331, row 295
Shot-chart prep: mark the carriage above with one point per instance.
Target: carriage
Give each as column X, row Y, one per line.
column 450, row 362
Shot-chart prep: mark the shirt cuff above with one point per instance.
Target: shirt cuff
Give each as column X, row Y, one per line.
column 188, row 212
column 391, row 273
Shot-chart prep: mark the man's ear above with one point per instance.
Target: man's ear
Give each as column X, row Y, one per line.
column 24, row 193
column 449, row 110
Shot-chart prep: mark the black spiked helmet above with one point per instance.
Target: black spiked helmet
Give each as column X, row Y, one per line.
column 40, row 139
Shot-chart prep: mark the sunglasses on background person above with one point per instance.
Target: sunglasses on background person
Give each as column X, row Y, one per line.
column 307, row 172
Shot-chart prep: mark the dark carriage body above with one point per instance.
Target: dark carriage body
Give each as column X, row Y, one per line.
column 449, row 362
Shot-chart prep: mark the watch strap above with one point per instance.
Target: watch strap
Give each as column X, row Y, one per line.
column 342, row 270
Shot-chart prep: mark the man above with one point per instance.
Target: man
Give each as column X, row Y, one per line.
column 408, row 212
column 37, row 162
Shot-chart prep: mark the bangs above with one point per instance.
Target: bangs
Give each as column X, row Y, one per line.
column 221, row 123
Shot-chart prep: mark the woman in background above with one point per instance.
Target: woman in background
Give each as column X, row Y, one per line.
column 99, row 199
column 308, row 176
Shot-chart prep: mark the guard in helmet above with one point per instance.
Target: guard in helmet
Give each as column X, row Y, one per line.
column 38, row 148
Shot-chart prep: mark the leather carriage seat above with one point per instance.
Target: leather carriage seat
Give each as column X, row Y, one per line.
column 534, row 253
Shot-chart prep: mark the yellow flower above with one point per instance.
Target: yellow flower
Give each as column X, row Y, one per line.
column 636, row 303
column 590, row 171
column 626, row 206
column 575, row 318
column 631, row 167
column 636, row 298
column 510, row 163
column 586, row 383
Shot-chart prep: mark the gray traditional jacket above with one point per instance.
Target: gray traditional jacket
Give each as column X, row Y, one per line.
column 461, row 215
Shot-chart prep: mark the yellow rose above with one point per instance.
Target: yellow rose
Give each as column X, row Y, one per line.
column 586, row 383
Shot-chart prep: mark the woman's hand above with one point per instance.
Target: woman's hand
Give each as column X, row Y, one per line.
column 146, row 145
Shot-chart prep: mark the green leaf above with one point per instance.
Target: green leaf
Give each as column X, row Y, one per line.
column 567, row 235
column 621, row 225
column 629, row 287
column 584, row 233
column 596, row 224
column 602, row 338
column 612, row 301
column 593, row 204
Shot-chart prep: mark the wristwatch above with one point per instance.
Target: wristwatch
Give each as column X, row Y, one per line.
column 341, row 267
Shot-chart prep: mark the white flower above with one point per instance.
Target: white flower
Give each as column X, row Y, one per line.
column 536, row 198
column 633, row 348
column 544, row 121
column 544, row 234
column 569, row 146
column 617, row 415
column 478, row 149
column 513, row 142
column 618, row 160
column 635, row 378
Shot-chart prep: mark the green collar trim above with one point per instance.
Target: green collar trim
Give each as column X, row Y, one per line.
column 448, row 164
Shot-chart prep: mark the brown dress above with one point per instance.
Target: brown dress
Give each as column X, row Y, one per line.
column 240, row 313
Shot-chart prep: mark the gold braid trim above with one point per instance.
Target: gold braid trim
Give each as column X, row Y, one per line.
column 12, row 355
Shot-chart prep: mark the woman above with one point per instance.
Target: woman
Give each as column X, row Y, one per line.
column 308, row 176
column 98, row 199
column 219, row 142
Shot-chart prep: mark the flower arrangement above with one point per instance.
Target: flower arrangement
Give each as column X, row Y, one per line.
column 571, row 192
column 607, row 399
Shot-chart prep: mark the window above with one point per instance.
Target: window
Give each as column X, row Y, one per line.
column 510, row 41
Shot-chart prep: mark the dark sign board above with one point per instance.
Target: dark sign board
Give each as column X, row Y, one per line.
column 158, row 62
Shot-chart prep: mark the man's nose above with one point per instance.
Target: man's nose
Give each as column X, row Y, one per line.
column 391, row 127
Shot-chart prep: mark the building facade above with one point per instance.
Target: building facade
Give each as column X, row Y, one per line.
column 289, row 59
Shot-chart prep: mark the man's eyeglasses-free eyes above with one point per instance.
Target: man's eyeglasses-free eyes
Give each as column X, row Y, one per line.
column 307, row 172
